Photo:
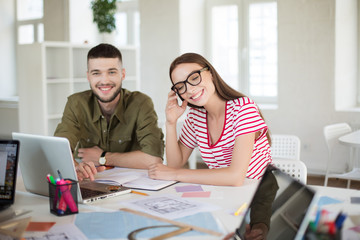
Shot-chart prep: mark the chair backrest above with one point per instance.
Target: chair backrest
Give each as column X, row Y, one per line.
column 333, row 132
column 285, row 147
column 295, row 169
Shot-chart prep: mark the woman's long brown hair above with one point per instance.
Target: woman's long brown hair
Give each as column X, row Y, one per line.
column 222, row 89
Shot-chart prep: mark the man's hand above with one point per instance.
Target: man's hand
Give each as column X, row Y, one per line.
column 257, row 232
column 90, row 155
column 87, row 170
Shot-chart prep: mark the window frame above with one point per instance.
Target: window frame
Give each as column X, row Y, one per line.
column 243, row 44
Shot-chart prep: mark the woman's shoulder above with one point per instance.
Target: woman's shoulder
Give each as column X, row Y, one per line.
column 241, row 101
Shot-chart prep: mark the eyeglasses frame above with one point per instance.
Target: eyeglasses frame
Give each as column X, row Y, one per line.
column 186, row 81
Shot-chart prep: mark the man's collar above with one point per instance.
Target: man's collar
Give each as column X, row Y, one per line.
column 119, row 110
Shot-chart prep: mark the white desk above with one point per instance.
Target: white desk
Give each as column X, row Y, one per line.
column 228, row 198
column 352, row 140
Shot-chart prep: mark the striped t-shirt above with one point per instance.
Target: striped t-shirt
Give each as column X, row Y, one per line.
column 242, row 116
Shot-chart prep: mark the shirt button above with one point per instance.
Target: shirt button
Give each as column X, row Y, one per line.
column 88, row 140
column 120, row 141
column 104, row 131
column 102, row 116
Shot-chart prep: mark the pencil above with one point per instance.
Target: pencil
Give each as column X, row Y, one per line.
column 140, row 193
column 240, row 209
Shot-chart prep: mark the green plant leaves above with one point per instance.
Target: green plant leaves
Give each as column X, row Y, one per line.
column 103, row 15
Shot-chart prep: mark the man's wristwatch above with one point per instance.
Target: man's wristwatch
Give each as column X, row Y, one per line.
column 102, row 159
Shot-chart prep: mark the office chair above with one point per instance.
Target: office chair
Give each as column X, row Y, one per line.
column 295, row 169
column 285, row 147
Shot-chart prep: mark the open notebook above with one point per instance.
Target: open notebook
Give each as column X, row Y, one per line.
column 283, row 203
column 42, row 155
column 132, row 178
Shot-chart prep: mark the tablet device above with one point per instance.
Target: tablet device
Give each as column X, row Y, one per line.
column 282, row 203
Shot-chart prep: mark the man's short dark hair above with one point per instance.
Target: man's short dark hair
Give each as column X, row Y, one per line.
column 104, row 50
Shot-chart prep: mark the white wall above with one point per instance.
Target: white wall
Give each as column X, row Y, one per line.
column 160, row 44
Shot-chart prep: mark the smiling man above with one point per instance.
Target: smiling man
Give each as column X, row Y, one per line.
column 109, row 125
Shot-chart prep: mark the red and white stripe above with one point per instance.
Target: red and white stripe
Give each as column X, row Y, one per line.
column 242, row 116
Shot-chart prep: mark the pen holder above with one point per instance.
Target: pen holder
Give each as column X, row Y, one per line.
column 63, row 197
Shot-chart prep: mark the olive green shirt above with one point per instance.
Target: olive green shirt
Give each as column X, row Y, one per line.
column 133, row 126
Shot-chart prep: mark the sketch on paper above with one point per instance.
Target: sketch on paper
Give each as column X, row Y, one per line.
column 169, row 206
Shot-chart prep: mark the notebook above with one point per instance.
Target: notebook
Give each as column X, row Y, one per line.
column 42, row 155
column 9, row 152
column 281, row 201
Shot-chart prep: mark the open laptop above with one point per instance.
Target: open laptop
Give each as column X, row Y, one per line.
column 42, row 155
column 9, row 152
column 283, row 203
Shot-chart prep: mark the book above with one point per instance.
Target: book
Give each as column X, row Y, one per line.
column 132, row 178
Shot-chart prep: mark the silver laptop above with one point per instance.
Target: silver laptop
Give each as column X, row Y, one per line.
column 281, row 202
column 42, row 155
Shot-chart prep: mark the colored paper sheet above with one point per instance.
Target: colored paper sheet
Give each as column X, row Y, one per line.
column 355, row 200
column 324, row 200
column 356, row 229
column 189, row 188
column 111, row 225
column 39, row 226
column 196, row 194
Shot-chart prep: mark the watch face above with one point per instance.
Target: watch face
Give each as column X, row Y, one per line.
column 102, row 161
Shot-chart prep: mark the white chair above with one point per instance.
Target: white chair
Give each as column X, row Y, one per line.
column 332, row 133
column 295, row 169
column 285, row 147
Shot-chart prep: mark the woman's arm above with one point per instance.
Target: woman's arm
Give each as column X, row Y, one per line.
column 234, row 175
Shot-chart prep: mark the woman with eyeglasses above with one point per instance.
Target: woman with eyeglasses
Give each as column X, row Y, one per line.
column 227, row 126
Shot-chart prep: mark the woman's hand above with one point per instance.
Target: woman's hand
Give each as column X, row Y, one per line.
column 161, row 171
column 173, row 111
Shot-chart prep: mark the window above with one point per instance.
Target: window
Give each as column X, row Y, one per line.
column 127, row 23
column 243, row 45
column 29, row 14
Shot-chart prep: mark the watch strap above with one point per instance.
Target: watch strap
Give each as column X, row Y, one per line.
column 103, row 154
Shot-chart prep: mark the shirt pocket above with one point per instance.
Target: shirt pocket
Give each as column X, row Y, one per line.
column 88, row 141
column 120, row 143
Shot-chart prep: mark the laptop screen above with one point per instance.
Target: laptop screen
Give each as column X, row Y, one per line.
column 281, row 203
column 9, row 150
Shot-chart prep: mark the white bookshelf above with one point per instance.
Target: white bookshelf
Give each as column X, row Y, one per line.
column 49, row 72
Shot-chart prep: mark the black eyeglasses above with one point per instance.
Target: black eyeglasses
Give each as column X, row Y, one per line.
column 193, row 79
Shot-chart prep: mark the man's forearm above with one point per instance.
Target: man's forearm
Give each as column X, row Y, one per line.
column 135, row 159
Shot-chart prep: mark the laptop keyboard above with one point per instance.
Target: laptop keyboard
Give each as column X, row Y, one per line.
column 87, row 193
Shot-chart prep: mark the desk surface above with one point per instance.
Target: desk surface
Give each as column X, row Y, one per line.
column 352, row 139
column 228, row 198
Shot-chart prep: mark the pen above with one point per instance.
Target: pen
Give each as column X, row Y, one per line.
column 51, row 179
column 59, row 173
column 240, row 209
column 340, row 220
column 140, row 193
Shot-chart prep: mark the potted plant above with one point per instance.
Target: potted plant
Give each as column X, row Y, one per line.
column 103, row 15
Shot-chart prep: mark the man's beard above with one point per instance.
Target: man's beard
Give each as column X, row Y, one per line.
column 107, row 100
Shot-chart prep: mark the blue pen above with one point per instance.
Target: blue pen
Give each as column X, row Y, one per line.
column 340, row 220
column 317, row 218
